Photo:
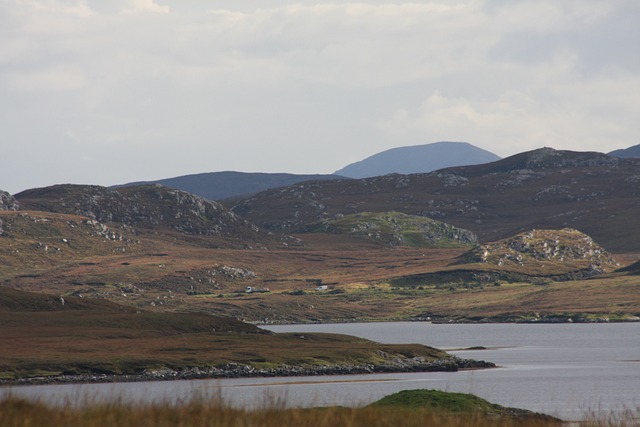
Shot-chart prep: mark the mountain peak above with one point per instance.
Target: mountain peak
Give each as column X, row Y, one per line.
column 418, row 159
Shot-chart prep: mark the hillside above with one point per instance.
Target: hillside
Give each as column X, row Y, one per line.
column 142, row 207
column 418, row 159
column 592, row 192
column 627, row 153
column 534, row 257
column 223, row 185
column 32, row 240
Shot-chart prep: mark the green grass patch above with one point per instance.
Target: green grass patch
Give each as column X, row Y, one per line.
column 397, row 229
column 457, row 403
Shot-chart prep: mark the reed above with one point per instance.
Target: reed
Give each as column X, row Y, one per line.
column 16, row 412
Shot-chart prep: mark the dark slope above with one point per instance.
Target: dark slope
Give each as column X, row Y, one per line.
column 627, row 153
column 21, row 301
column 592, row 192
column 418, row 159
column 223, row 185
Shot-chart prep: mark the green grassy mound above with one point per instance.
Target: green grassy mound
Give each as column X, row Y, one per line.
column 459, row 403
column 397, row 229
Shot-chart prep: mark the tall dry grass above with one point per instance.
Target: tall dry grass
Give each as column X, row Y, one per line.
column 21, row 413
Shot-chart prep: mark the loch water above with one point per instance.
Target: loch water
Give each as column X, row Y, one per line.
column 571, row 371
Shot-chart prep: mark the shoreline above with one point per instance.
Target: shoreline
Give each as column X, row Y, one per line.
column 540, row 321
column 237, row 370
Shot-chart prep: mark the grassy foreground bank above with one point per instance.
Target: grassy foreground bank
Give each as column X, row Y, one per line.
column 419, row 408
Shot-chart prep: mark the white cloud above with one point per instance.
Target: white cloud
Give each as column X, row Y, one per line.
column 579, row 116
column 190, row 86
column 137, row 6
column 51, row 79
column 78, row 8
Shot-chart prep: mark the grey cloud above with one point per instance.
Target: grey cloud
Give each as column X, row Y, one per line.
column 133, row 89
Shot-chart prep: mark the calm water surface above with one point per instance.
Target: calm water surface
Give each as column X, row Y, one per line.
column 567, row 370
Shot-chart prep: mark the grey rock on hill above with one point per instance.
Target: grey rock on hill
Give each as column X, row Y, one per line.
column 418, row 159
column 224, row 185
column 147, row 207
column 7, row 202
column 627, row 153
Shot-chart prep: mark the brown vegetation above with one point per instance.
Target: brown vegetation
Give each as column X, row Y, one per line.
column 45, row 336
column 19, row 413
column 365, row 281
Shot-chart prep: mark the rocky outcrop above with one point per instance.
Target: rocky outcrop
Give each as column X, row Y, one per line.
column 7, row 202
column 566, row 245
column 145, row 207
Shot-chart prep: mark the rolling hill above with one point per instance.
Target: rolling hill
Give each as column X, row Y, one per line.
column 388, row 247
column 545, row 188
column 223, row 185
column 627, row 153
column 418, row 159
column 151, row 207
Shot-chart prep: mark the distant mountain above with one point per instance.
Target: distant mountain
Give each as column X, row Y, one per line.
column 627, row 153
column 418, row 159
column 142, row 207
column 541, row 189
column 224, row 185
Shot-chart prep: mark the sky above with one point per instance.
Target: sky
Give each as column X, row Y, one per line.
column 109, row 92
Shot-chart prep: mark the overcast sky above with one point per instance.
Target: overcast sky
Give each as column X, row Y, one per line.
column 112, row 91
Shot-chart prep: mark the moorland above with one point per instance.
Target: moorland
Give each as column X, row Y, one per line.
column 543, row 236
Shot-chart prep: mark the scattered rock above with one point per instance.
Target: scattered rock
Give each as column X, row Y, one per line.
column 238, row 370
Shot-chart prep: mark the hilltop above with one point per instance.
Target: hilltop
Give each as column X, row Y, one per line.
column 149, row 207
column 223, row 185
column 545, row 249
column 627, row 153
column 546, row 188
column 418, row 159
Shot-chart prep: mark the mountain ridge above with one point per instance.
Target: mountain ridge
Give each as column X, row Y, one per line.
column 627, row 153
column 543, row 188
column 145, row 207
column 226, row 184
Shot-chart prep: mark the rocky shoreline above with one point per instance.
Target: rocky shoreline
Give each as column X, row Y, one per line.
column 237, row 370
